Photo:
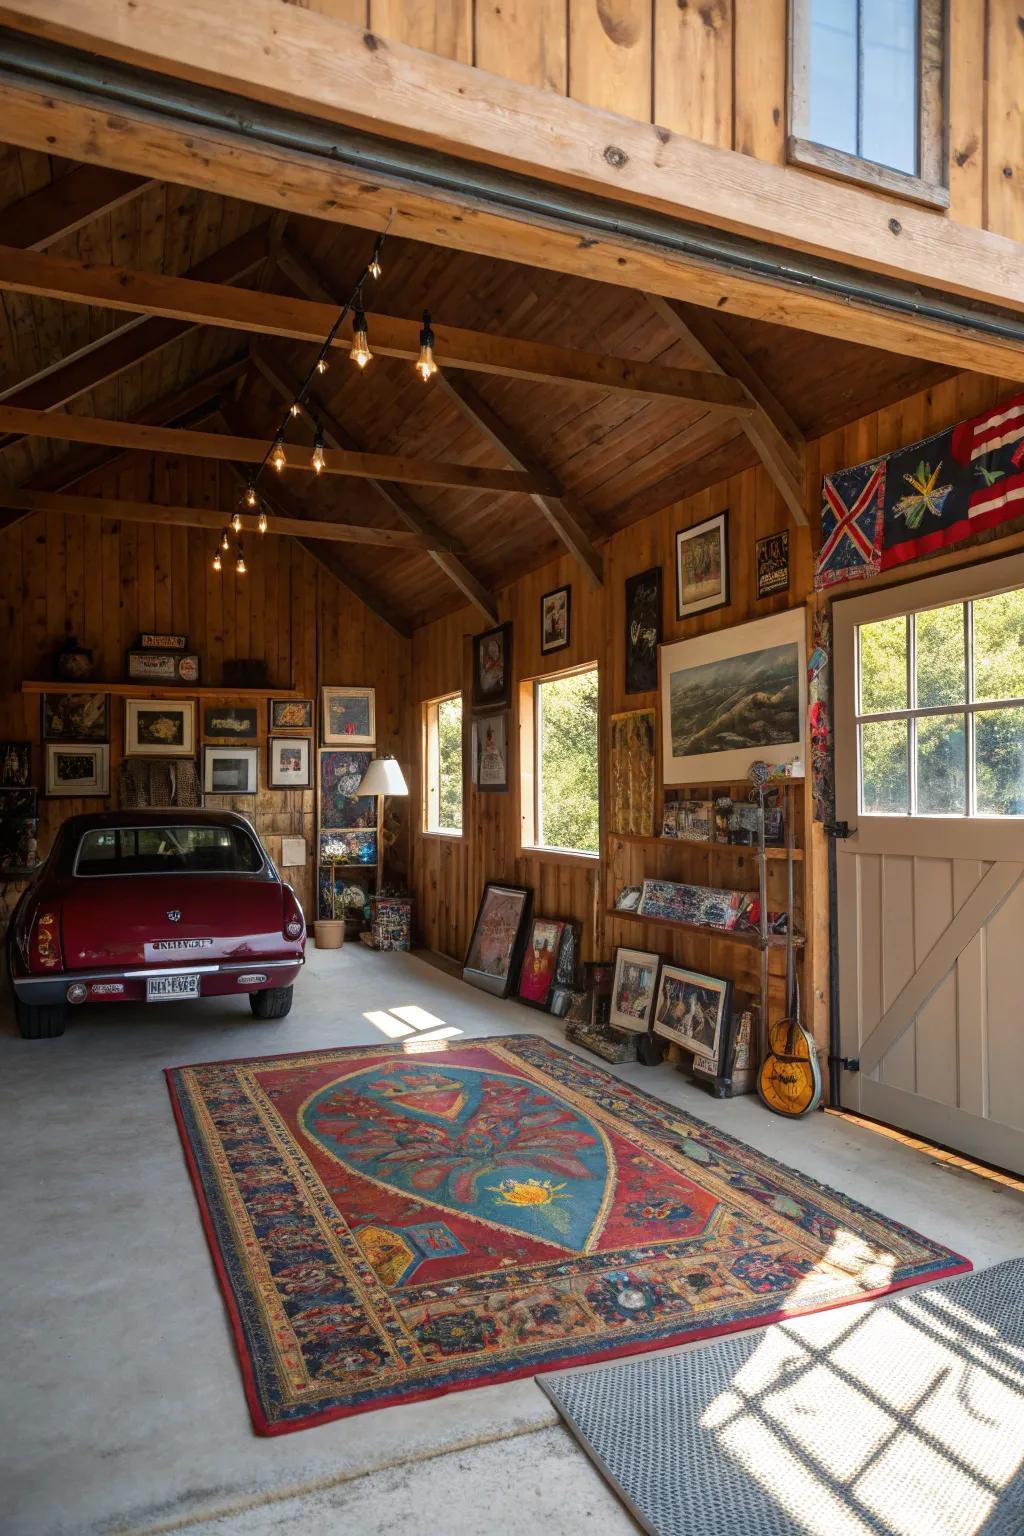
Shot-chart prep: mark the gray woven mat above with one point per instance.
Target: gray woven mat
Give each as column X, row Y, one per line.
column 903, row 1417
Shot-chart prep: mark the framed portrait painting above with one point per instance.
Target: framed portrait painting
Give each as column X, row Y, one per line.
column 692, row 1010
column 634, row 989
column 495, row 949
column 643, row 630
column 540, row 961
column 230, row 770
column 159, row 728
column 555, row 620
column 489, row 748
column 732, row 697
column 349, row 717
column 77, row 771
column 289, row 764
column 492, row 667
column 702, row 566
column 76, row 717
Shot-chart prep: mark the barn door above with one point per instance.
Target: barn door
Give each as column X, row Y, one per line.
column 929, row 697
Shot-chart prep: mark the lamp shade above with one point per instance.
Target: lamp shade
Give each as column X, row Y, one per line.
column 383, row 777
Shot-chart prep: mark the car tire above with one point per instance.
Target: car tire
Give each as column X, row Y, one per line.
column 274, row 1003
column 40, row 1023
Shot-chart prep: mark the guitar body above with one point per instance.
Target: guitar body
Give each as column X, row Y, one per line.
column 789, row 1080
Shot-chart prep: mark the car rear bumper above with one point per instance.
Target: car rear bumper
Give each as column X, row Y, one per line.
column 222, row 979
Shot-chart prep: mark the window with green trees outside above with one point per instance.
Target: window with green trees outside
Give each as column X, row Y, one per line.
column 442, row 777
column 566, row 813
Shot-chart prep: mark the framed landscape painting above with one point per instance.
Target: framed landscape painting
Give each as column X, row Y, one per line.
column 732, row 697
column 702, row 566
column 349, row 717
column 495, row 950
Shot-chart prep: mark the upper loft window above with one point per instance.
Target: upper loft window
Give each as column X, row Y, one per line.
column 867, row 92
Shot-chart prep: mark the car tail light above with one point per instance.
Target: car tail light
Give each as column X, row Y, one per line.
column 293, row 924
column 44, row 950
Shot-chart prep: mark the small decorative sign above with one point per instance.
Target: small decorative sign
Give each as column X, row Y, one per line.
column 772, row 562
column 163, row 667
column 162, row 642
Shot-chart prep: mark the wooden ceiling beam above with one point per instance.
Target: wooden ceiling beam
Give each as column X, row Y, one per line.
column 243, row 309
column 566, row 519
column 394, row 496
column 253, row 450
column 780, row 444
column 68, row 203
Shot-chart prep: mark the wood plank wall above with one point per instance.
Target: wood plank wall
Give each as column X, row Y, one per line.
column 104, row 582
column 448, row 873
column 716, row 71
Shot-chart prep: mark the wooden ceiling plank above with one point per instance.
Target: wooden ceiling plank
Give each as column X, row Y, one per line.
column 565, row 519
column 189, row 300
column 252, row 450
column 780, row 445
column 396, row 497
column 69, row 202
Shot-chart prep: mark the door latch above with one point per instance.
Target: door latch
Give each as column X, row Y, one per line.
column 848, row 1063
column 839, row 829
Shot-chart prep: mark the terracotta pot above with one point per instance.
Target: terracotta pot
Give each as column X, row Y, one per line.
column 329, row 933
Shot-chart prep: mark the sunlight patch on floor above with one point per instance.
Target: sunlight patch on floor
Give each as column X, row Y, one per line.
column 403, row 1020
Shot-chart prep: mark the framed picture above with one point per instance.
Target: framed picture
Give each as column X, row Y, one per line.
column 495, row 949
column 692, row 1009
column 489, row 748
column 163, row 667
column 568, row 963
column 643, row 630
column 702, row 566
column 341, row 771
column 19, row 844
column 159, row 728
column 289, row 765
column 632, row 773
column 18, row 802
column 228, row 720
column 555, row 619
column 492, row 667
column 76, row 717
column 634, row 989
column 731, row 697
column 77, row 771
column 772, row 563
column 354, row 846
column 230, row 770
column 291, row 714
column 349, row 716
column 15, row 763
column 540, row 959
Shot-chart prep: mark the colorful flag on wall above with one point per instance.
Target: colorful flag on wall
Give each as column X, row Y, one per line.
column 920, row 499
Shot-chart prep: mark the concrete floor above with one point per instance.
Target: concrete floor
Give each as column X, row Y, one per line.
column 121, row 1406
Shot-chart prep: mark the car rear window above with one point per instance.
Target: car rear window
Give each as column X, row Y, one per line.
column 157, row 850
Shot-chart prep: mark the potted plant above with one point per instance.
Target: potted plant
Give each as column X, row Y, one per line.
column 329, row 932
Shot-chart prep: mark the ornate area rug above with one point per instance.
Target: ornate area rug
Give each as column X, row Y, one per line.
column 390, row 1225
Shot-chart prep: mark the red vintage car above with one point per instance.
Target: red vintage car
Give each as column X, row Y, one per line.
column 153, row 906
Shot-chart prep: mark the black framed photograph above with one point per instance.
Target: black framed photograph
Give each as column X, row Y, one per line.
column 692, row 1009
column 291, row 714
column 499, row 934
column 771, row 563
column 290, row 762
column 76, row 716
column 230, row 770
column 634, row 988
column 231, row 721
column 555, row 620
column 77, row 772
column 15, row 763
column 159, row 728
column 702, row 566
column 643, row 630
column 19, row 846
column 489, row 749
column 492, row 667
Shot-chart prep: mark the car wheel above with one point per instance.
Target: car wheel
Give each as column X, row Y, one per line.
column 274, row 1003
column 40, row 1023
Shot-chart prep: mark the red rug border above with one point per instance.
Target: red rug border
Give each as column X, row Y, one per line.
column 263, row 1426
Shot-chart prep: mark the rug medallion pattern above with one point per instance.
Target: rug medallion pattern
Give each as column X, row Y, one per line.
column 389, row 1226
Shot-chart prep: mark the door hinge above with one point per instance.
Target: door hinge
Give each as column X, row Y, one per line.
column 838, row 829
column 848, row 1063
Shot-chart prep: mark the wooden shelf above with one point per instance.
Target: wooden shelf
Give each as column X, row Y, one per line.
column 155, row 691
column 734, row 935
column 686, row 842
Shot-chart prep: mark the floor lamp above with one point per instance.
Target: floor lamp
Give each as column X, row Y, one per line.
column 383, row 777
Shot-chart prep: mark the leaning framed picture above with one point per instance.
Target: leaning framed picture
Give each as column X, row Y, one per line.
column 159, row 728
column 77, row 771
column 495, row 949
column 732, row 697
column 230, row 770
column 76, row 717
column 540, row 960
column 692, row 1010
column 634, row 988
column 489, row 749
column 349, row 717
column 289, row 762
column 702, row 566
column 555, row 620
column 492, row 667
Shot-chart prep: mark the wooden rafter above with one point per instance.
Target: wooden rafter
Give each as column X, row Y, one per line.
column 244, row 309
column 252, row 450
column 566, row 519
column 394, row 496
column 68, row 203
column 779, row 442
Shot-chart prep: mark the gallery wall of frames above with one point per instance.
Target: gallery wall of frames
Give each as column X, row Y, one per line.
column 230, row 718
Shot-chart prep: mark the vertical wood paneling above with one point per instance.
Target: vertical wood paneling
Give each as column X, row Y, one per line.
column 693, row 52
column 1004, row 163
column 967, row 111
column 936, row 1025
column 444, row 27
column 610, row 56
column 759, row 79
column 525, row 40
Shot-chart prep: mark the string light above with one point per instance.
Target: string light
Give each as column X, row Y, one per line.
column 277, row 455
column 374, row 269
column 225, row 542
column 240, row 565
column 318, row 451
column 236, row 522
column 425, row 362
column 250, row 496
column 295, row 408
column 218, row 564
column 360, row 353
column 261, row 522
column 321, row 364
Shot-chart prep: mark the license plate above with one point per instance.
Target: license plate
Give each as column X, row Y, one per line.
column 164, row 989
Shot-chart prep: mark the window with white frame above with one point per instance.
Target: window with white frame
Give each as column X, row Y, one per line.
column 940, row 710
column 867, row 92
column 559, row 735
column 442, row 765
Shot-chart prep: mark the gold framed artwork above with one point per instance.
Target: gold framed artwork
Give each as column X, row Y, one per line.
column 631, row 808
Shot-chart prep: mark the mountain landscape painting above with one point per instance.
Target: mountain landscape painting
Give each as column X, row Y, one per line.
column 751, row 701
